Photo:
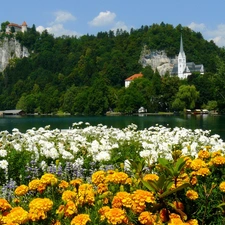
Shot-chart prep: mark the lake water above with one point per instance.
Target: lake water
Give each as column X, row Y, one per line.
column 206, row 122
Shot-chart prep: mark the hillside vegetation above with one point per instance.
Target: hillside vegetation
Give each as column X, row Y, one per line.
column 85, row 75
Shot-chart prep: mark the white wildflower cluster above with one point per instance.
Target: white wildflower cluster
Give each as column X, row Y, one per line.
column 98, row 142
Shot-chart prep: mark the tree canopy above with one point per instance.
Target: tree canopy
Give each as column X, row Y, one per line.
column 86, row 74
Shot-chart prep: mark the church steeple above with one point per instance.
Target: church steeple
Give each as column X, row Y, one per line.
column 181, row 60
column 181, row 45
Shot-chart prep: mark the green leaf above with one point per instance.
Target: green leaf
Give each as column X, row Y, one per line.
column 179, row 165
column 169, row 192
column 150, row 185
column 161, row 181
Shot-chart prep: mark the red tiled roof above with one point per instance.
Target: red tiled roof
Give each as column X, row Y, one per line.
column 135, row 76
column 14, row 25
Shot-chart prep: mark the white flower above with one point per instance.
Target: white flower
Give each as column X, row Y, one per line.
column 145, row 153
column 3, row 153
column 103, row 156
column 3, row 164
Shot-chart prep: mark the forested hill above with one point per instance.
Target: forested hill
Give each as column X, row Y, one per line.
column 86, row 74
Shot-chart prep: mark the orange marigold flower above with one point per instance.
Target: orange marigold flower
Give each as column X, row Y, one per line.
column 68, row 195
column 117, row 178
column 140, row 197
column 98, row 177
column 194, row 180
column 128, row 181
column 147, row 218
column 49, row 179
column 34, row 184
column 56, row 222
column 196, row 164
column 217, row 153
column 4, row 205
column 21, row 190
column 150, row 177
column 44, row 204
column 218, row 160
column 86, row 194
column 80, row 219
column 222, row 186
column 191, row 194
column 16, row 216
column 203, row 172
column 176, row 221
column 115, row 216
column 70, row 208
column 203, row 154
column 76, row 182
column 39, row 208
column 192, row 222
column 102, row 188
column 63, row 184
column 122, row 199
column 102, row 212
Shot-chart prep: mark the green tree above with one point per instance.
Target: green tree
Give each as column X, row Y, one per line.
column 186, row 97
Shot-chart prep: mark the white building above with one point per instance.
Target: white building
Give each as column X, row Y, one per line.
column 131, row 78
column 22, row 28
column 183, row 69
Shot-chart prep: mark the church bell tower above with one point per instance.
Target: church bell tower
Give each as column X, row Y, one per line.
column 181, row 60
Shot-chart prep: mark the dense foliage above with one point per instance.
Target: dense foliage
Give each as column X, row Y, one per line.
column 86, row 74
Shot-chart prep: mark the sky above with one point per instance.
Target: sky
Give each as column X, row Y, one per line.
column 81, row 17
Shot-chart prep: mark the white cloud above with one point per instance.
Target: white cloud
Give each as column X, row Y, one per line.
column 198, row 27
column 56, row 27
column 103, row 19
column 120, row 25
column 63, row 16
column 217, row 34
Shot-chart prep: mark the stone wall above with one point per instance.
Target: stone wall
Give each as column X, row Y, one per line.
column 9, row 49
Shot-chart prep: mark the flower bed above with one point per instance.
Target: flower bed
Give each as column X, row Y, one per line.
column 101, row 175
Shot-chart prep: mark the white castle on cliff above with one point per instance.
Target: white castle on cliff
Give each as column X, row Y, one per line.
column 22, row 28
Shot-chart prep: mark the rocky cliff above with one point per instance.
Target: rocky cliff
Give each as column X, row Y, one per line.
column 9, row 49
column 157, row 60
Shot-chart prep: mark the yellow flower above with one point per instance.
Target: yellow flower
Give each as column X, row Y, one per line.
column 218, row 160
column 16, row 216
column 217, row 153
column 150, row 177
column 98, row 177
column 147, row 218
column 21, row 190
column 86, row 194
column 192, row 222
column 80, row 219
column 122, row 199
column 203, row 172
column 117, row 177
column 191, row 194
column 34, row 184
column 70, row 208
column 63, row 184
column 102, row 188
column 69, row 195
column 203, row 154
column 102, row 212
column 4, row 205
column 140, row 197
column 49, row 179
column 222, row 186
column 196, row 164
column 76, row 182
column 39, row 207
column 115, row 216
